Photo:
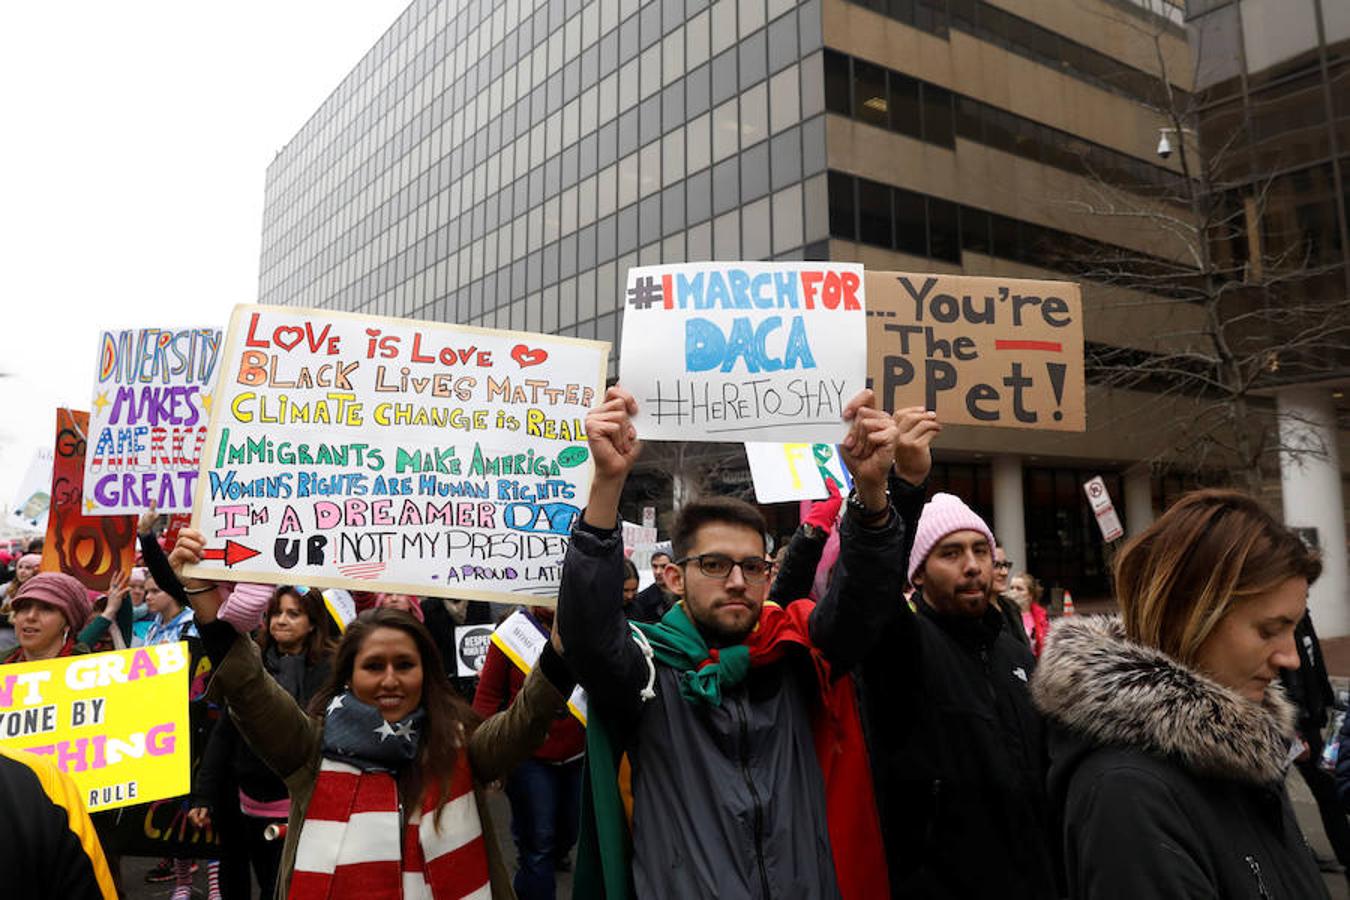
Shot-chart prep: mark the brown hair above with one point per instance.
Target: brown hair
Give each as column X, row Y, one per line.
column 1035, row 590
column 726, row 510
column 449, row 720
column 318, row 643
column 1210, row 551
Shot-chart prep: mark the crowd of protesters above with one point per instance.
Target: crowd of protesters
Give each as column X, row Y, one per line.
column 883, row 708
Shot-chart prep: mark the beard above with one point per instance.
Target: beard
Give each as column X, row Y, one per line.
column 717, row 630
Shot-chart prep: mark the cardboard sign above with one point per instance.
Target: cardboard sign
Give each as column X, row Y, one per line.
column 1103, row 509
column 33, row 498
column 522, row 642
column 148, row 422
column 385, row 454
column 115, row 722
column 743, row 350
column 980, row 351
column 784, row 472
column 91, row 548
column 471, row 647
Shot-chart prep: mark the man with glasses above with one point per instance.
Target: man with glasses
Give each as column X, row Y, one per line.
column 720, row 707
column 1002, row 570
column 1012, row 613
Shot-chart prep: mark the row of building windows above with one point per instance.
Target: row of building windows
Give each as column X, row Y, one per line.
column 573, row 50
column 696, row 168
column 893, row 218
column 472, row 150
column 888, row 99
column 1027, row 39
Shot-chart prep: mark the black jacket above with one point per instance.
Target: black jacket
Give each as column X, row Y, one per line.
column 728, row 801
column 229, row 762
column 958, row 754
column 48, row 847
column 1308, row 686
column 650, row 604
column 1166, row 785
column 1012, row 619
column 797, row 575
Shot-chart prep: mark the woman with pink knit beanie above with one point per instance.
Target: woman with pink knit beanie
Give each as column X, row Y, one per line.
column 50, row 609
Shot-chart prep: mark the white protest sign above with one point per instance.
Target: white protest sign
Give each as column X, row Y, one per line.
column 522, row 642
column 784, row 472
column 341, row 605
column 471, row 647
column 741, row 351
column 432, row 459
column 1103, row 509
column 635, row 535
column 33, row 499
column 147, row 419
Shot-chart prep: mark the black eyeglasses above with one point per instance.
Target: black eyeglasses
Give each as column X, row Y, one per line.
column 719, row 565
column 1003, row 564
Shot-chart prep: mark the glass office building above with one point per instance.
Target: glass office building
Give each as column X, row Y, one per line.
column 504, row 162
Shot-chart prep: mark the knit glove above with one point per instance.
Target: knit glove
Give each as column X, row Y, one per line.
column 246, row 605
column 824, row 514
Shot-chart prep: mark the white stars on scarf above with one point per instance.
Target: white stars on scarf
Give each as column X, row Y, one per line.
column 405, row 731
column 335, row 703
column 385, row 731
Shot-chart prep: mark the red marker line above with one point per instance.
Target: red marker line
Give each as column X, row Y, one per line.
column 1051, row 346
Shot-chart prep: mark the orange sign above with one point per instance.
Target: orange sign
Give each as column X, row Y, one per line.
column 89, row 547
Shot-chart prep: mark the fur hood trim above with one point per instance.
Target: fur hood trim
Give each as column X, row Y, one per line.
column 1110, row 691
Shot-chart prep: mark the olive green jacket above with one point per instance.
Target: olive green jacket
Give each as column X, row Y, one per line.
column 288, row 740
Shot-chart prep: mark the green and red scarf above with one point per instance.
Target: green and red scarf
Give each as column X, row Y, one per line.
column 604, row 847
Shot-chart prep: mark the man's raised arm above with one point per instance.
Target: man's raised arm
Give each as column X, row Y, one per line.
column 865, row 595
column 597, row 641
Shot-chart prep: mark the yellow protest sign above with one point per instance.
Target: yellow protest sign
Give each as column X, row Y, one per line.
column 115, row 722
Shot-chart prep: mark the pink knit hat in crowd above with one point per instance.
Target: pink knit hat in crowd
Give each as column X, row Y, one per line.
column 942, row 515
column 65, row 592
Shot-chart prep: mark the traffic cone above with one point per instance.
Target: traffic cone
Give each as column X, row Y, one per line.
column 1068, row 604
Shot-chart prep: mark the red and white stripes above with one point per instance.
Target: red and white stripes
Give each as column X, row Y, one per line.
column 349, row 844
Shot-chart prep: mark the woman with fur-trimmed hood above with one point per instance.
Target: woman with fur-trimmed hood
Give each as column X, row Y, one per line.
column 1170, row 732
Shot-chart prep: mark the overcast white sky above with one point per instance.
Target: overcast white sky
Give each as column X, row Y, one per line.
column 136, row 138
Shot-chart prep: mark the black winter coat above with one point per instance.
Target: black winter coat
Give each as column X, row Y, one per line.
column 728, row 801
column 229, row 761
column 1309, row 687
column 1166, row 785
column 958, row 755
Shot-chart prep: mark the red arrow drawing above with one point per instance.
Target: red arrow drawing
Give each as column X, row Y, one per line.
column 231, row 554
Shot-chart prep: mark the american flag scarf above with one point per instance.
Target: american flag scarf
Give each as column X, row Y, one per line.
column 353, row 842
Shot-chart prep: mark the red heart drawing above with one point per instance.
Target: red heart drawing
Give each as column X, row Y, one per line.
column 292, row 331
column 527, row 357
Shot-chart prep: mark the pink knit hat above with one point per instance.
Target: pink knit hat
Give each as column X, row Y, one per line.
column 942, row 515
column 65, row 592
column 414, row 606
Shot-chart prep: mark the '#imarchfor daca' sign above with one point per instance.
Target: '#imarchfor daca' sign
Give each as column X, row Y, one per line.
column 744, row 351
